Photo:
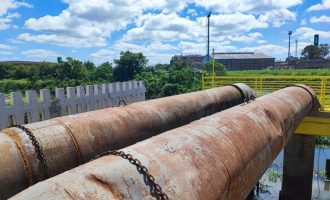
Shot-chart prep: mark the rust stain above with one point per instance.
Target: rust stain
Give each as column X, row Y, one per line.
column 76, row 146
column 27, row 168
column 111, row 188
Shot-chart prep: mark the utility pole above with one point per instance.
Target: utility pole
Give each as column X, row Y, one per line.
column 213, row 69
column 290, row 33
column 296, row 48
column 208, row 37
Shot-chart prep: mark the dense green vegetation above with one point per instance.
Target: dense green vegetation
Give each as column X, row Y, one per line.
column 166, row 80
column 160, row 80
column 312, row 52
column 219, row 69
column 50, row 75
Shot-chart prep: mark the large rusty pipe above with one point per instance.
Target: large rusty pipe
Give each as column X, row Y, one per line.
column 72, row 140
column 218, row 157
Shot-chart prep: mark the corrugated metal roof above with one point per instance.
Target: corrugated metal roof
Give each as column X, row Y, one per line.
column 240, row 55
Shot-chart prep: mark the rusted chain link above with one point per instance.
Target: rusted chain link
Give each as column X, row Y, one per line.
column 37, row 149
column 121, row 100
column 156, row 190
column 247, row 101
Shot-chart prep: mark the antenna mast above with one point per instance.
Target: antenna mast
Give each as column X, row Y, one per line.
column 208, row 37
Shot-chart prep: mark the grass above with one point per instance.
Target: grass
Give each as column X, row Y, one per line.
column 296, row 72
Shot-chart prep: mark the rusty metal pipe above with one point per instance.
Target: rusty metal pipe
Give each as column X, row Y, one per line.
column 221, row 156
column 72, row 140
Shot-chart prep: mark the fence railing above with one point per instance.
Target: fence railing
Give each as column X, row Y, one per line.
column 266, row 84
column 19, row 110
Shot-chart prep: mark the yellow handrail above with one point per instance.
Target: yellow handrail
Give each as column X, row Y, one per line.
column 266, row 84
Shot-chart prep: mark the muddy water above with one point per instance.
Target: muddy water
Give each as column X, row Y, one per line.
column 270, row 183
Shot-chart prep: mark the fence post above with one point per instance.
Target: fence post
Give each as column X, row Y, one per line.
column 3, row 112
column 75, row 100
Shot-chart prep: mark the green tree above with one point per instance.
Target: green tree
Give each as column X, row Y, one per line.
column 183, row 76
column 311, row 52
column 104, row 72
column 128, row 65
column 89, row 65
column 324, row 50
column 219, row 68
column 72, row 72
column 2, row 71
column 167, row 80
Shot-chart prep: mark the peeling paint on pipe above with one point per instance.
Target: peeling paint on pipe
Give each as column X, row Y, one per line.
column 217, row 157
column 72, row 140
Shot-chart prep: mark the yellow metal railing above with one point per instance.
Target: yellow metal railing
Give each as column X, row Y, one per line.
column 266, row 84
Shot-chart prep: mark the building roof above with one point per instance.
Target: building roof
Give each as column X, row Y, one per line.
column 240, row 55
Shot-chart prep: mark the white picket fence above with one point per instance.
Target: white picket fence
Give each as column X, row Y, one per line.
column 76, row 100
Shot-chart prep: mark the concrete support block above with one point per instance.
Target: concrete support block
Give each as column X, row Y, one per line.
column 298, row 168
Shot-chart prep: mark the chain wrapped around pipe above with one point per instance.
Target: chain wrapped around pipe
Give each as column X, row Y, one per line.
column 40, row 155
column 156, row 190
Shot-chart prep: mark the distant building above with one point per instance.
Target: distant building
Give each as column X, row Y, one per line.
column 59, row 60
column 195, row 61
column 244, row 60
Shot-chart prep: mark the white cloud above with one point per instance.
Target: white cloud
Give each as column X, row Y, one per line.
column 160, row 27
column 306, row 33
column 155, row 27
column 247, row 5
column 5, row 22
column 237, row 23
column 40, row 53
column 320, row 6
column 95, row 21
column 156, row 52
column 275, row 12
column 5, row 53
column 64, row 41
column 97, row 18
column 198, row 48
column 103, row 55
column 270, row 49
column 322, row 19
column 262, row 42
column 278, row 17
column 192, row 12
column 6, row 17
column 10, row 5
column 4, row 46
column 248, row 38
column 303, row 22
column 159, row 46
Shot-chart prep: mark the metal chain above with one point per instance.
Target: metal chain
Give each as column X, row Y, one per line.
column 156, row 190
column 37, row 149
column 247, row 101
column 122, row 100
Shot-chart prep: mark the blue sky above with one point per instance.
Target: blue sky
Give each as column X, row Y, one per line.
column 97, row 30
